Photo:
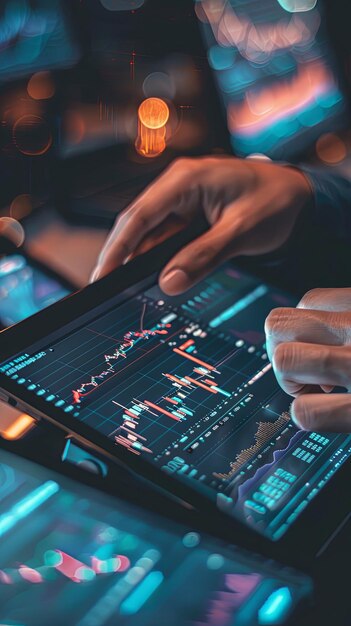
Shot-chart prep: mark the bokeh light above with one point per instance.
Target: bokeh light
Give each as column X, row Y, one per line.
column 41, row 86
column 32, row 135
column 12, row 230
column 53, row 558
column 30, row 575
column 200, row 11
column 122, row 5
column 5, row 579
column 21, row 206
column 221, row 58
column 331, row 149
column 215, row 561
column 153, row 115
column 254, row 42
column 297, row 6
column 18, row 428
column 83, row 574
column 191, row 540
column 258, row 156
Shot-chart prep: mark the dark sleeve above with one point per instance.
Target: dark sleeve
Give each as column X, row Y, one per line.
column 318, row 253
column 331, row 208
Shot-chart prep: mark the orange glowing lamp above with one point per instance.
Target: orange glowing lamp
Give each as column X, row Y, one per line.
column 153, row 115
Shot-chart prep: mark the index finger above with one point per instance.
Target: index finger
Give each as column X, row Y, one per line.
column 173, row 192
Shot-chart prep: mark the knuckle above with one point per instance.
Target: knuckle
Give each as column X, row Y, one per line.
column 122, row 219
column 118, row 223
column 345, row 366
column 283, row 358
column 141, row 220
column 303, row 413
column 326, row 359
column 124, row 247
column 182, row 165
column 338, row 326
column 210, row 161
column 312, row 298
column 205, row 255
column 275, row 320
column 186, row 171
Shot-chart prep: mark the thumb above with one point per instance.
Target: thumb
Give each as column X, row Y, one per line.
column 199, row 258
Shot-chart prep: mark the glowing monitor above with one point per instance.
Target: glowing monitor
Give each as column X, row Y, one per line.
column 275, row 72
column 34, row 35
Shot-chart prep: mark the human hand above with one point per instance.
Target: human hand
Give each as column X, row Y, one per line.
column 251, row 208
column 310, row 349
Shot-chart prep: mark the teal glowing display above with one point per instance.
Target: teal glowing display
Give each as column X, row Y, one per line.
column 72, row 555
column 275, row 72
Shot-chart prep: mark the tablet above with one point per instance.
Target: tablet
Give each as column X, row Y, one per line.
column 180, row 390
column 27, row 286
column 72, row 555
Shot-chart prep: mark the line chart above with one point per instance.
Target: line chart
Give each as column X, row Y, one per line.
column 129, row 341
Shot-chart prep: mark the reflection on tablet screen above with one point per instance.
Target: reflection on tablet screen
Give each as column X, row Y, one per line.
column 71, row 555
column 25, row 290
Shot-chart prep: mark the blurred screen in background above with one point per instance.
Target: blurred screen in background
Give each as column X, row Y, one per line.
column 275, row 71
column 97, row 97
column 37, row 43
column 34, row 35
column 148, row 60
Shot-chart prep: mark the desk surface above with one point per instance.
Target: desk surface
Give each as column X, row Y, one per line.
column 70, row 249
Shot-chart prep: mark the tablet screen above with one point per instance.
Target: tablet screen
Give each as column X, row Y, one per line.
column 25, row 289
column 185, row 384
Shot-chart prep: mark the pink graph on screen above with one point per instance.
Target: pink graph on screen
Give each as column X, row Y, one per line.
column 273, row 104
column 226, row 601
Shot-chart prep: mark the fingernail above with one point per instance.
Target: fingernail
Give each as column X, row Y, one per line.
column 174, row 282
column 95, row 275
column 294, row 418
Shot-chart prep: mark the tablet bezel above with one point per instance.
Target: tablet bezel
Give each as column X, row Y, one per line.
column 301, row 542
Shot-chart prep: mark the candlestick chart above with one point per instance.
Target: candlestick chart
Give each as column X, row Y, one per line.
column 159, row 384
